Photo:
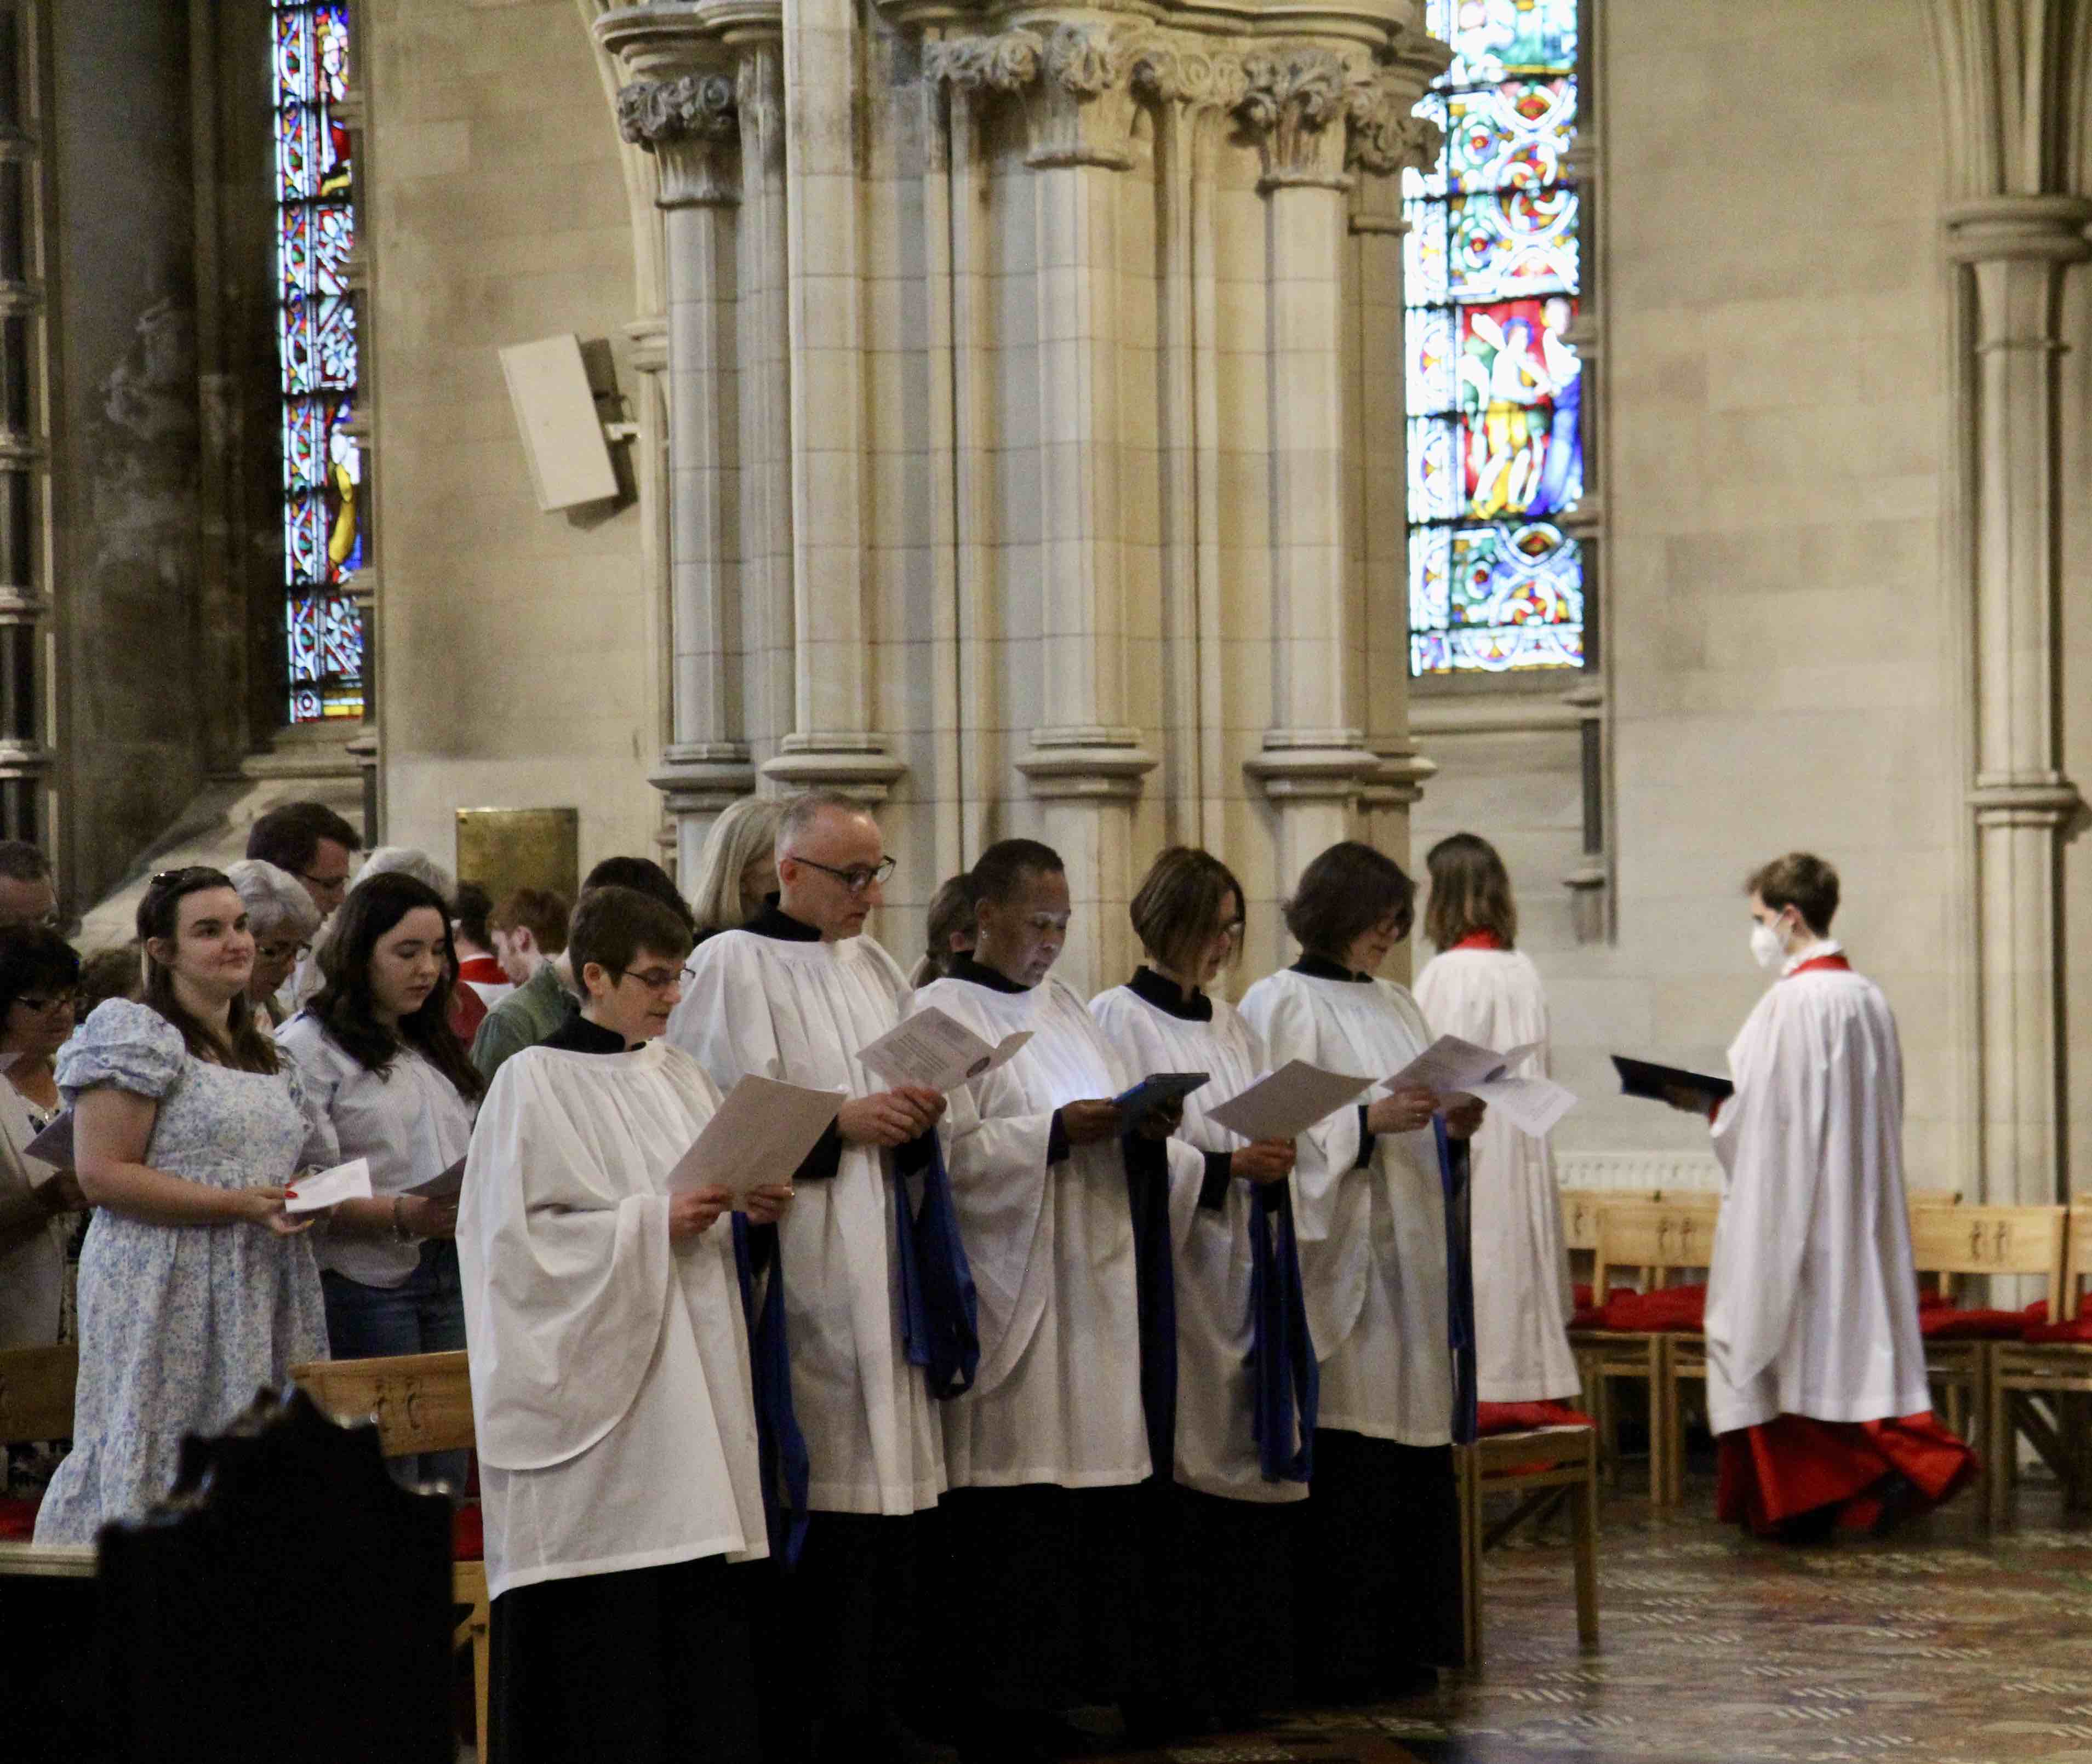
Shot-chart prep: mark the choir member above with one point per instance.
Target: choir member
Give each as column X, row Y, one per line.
column 613, row 1394
column 1047, row 1450
column 1481, row 987
column 1815, row 1383
column 737, row 867
column 1246, row 1379
column 1381, row 1246
column 794, row 995
column 948, row 930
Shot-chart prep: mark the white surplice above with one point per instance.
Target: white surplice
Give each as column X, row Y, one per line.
column 1372, row 1241
column 1523, row 1298
column 1057, row 1396
column 1812, row 1301
column 612, row 1395
column 1217, row 1449
column 799, row 1012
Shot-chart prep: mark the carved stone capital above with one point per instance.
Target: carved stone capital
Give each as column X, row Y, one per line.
column 1386, row 137
column 691, row 125
column 1295, row 104
column 1071, row 80
column 1169, row 70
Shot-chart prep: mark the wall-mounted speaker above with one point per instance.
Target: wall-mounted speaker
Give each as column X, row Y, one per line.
column 555, row 411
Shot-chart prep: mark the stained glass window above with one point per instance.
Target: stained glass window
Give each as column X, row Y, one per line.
column 323, row 514
column 1496, row 445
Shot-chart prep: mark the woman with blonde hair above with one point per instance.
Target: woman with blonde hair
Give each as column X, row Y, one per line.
column 1483, row 988
column 737, row 869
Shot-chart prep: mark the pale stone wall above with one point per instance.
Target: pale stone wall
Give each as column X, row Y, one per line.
column 520, row 651
column 1785, row 667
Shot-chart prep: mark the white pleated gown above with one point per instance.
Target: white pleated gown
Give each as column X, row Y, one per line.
column 613, row 1400
column 1217, row 1451
column 798, row 1012
column 1812, row 1302
column 1524, row 1299
column 1056, row 1399
column 1372, row 1241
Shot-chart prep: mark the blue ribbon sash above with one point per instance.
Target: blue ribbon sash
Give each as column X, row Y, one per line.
column 1285, row 1380
column 1453, row 1171
column 939, row 1314
column 780, row 1448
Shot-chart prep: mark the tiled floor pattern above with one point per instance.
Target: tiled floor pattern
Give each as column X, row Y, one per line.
column 1939, row 1646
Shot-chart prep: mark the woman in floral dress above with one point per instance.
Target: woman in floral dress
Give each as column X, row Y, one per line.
column 196, row 1288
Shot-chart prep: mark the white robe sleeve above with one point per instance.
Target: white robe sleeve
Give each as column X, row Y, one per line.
column 723, row 1020
column 566, row 1280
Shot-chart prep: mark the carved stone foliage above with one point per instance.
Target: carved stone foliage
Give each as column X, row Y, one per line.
column 692, row 125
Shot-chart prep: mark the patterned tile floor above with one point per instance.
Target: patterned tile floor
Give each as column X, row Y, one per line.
column 1938, row 1646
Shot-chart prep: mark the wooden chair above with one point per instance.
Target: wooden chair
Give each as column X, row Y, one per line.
column 36, row 1392
column 1579, row 1226
column 1947, row 1245
column 1655, row 1240
column 1546, row 1467
column 420, row 1403
column 2036, row 1389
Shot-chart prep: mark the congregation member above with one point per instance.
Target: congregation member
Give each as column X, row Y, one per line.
column 314, row 844
column 794, row 995
column 197, row 1288
column 28, row 895
column 1482, row 988
column 530, row 938
column 1246, row 1376
column 646, row 877
column 737, row 865
column 1382, row 1243
column 1047, row 1450
column 110, row 973
column 1816, row 1381
column 613, row 1398
column 385, row 1080
column 464, row 1007
column 39, row 1204
column 284, row 921
column 473, row 939
column 949, row 930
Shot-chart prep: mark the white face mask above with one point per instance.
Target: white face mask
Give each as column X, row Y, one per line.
column 1768, row 945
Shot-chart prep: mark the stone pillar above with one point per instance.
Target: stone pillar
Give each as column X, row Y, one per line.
column 2014, row 77
column 681, row 107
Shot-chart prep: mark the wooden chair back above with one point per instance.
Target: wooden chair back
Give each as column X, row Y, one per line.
column 1952, row 1243
column 1580, row 1212
column 2076, row 1260
column 36, row 1392
column 1655, row 1238
column 420, row 1401
column 1933, row 1196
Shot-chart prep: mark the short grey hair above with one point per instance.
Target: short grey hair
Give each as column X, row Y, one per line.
column 744, row 831
column 409, row 861
column 803, row 810
column 275, row 899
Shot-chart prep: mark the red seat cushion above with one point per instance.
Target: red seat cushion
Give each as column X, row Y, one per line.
column 1938, row 1321
column 18, row 1519
column 1524, row 1417
column 1668, row 1310
column 468, row 1533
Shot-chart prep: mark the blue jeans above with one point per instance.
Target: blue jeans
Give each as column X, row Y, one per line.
column 425, row 1314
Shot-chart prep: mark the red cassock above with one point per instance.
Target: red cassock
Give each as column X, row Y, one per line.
column 1816, row 1384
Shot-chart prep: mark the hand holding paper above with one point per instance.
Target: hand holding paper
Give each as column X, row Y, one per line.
column 1285, row 1103
column 324, row 1188
column 761, row 1134
column 1451, row 1066
column 936, row 1051
column 53, row 1146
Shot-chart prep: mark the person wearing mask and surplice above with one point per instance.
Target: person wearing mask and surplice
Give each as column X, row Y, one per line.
column 1246, row 1373
column 1046, row 1451
column 794, row 995
column 615, row 1395
column 1383, row 1241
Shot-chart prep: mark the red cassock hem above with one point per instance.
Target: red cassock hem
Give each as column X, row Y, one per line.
column 1862, row 1476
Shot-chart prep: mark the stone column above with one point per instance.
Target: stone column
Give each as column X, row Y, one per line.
column 681, row 108
column 2014, row 76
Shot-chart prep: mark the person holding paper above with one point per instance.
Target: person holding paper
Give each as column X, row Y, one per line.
column 1245, row 1374
column 196, row 1288
column 386, row 1080
column 1046, row 1451
column 794, row 995
column 1382, row 1234
column 1482, row 989
column 615, row 1395
column 39, row 971
column 1816, row 1382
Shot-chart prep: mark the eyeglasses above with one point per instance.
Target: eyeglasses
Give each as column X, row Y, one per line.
column 57, row 1001
column 281, row 949
column 857, row 878
column 652, row 979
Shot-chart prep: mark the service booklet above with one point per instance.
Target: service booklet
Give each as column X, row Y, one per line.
column 322, row 1188
column 1646, row 1078
column 442, row 1186
column 760, row 1135
column 55, row 1144
column 937, row 1051
column 1285, row 1103
column 1157, row 1090
column 1453, row 1067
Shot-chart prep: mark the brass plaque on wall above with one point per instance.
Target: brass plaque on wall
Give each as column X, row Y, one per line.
column 503, row 849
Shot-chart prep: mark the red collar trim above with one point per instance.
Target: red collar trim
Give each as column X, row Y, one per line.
column 1830, row 964
column 484, row 968
column 1481, row 940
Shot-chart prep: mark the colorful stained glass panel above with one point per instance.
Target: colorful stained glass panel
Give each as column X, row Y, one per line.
column 1494, row 383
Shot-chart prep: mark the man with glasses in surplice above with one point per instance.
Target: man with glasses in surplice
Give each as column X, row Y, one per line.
column 794, row 995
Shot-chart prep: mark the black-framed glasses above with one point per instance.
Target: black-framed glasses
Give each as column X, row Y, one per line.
column 652, row 979
column 857, row 878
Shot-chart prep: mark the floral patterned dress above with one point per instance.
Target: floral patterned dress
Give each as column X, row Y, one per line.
column 179, row 1325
